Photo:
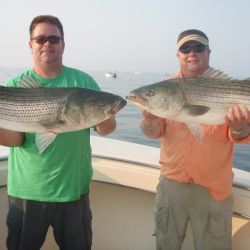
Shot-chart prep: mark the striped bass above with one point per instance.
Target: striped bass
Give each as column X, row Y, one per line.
column 193, row 101
column 49, row 111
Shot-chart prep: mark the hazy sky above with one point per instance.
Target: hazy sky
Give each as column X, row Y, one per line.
column 131, row 35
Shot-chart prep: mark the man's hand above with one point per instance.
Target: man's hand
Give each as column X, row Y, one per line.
column 238, row 120
column 151, row 125
column 107, row 126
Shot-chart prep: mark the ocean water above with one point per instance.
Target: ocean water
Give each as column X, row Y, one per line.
column 128, row 119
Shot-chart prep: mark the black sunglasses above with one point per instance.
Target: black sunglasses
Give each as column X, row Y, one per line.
column 198, row 48
column 43, row 39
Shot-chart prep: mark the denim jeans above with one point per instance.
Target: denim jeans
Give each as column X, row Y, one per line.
column 28, row 222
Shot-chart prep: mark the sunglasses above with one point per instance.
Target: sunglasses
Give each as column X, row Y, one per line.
column 198, row 48
column 43, row 39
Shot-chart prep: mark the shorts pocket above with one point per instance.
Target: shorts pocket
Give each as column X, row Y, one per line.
column 161, row 219
column 219, row 227
column 220, row 221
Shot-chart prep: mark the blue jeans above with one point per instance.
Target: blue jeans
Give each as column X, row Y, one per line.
column 28, row 222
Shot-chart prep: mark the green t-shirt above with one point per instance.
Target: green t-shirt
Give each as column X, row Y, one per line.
column 64, row 170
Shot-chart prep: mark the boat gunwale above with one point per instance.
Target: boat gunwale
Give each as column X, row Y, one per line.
column 100, row 151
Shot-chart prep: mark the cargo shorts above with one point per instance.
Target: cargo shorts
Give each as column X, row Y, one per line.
column 178, row 203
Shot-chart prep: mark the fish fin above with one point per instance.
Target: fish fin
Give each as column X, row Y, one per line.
column 215, row 73
column 28, row 82
column 44, row 139
column 196, row 110
column 48, row 124
column 197, row 131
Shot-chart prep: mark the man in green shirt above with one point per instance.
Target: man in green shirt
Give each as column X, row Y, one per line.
column 50, row 188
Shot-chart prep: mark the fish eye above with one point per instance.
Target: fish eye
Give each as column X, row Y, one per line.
column 150, row 92
column 101, row 102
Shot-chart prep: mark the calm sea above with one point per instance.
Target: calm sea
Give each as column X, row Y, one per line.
column 128, row 118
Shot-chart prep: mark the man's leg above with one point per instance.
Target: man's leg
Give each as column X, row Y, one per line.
column 171, row 216
column 72, row 224
column 211, row 221
column 27, row 224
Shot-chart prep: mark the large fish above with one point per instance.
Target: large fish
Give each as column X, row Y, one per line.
column 193, row 101
column 49, row 111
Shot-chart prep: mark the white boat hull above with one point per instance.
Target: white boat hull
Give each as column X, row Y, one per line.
column 122, row 199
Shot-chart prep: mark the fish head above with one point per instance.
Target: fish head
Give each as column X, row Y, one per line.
column 87, row 107
column 109, row 104
column 163, row 99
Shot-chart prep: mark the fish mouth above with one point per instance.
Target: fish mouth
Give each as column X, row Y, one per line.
column 122, row 103
column 117, row 106
column 139, row 100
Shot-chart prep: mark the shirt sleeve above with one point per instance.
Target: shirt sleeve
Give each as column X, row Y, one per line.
column 163, row 123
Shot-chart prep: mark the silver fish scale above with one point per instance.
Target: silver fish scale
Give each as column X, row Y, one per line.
column 216, row 93
column 30, row 105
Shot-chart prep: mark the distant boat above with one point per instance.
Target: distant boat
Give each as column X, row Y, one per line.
column 166, row 74
column 111, row 74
